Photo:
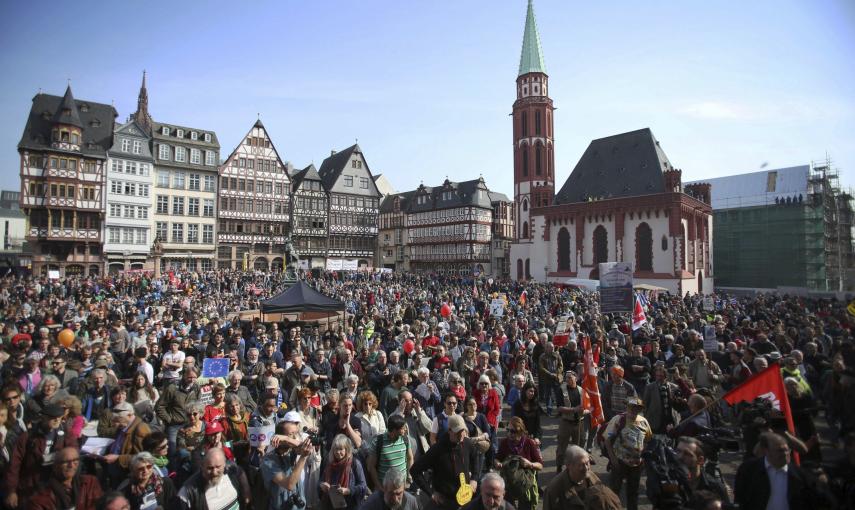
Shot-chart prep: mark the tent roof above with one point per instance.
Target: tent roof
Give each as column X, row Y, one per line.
column 301, row 298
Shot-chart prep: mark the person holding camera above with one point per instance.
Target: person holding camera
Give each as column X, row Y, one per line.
column 282, row 467
column 626, row 436
column 690, row 453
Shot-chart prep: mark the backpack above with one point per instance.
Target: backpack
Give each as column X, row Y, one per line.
column 520, row 483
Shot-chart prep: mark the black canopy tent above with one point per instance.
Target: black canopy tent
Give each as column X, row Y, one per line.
column 301, row 298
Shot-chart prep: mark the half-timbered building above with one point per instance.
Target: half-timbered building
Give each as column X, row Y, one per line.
column 254, row 209
column 63, row 153
column 309, row 218
column 185, row 193
column 353, row 212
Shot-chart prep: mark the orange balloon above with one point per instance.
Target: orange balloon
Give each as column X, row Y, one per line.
column 66, row 337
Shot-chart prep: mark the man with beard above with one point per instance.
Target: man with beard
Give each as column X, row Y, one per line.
column 215, row 486
column 393, row 495
column 66, row 489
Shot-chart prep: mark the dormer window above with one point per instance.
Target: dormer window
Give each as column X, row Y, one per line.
column 179, row 133
column 446, row 195
column 63, row 136
column 207, row 137
column 84, row 107
column 165, row 131
column 194, row 135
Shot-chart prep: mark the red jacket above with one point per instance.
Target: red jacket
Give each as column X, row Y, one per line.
column 87, row 496
column 489, row 405
column 25, row 468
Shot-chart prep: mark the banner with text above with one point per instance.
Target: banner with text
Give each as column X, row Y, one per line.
column 616, row 287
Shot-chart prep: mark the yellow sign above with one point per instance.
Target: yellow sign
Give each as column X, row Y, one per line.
column 851, row 307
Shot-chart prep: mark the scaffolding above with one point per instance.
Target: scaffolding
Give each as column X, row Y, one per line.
column 831, row 239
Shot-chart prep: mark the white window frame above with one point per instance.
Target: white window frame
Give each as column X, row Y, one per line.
column 126, row 145
column 194, row 135
column 179, row 180
column 207, row 234
column 209, row 183
column 163, row 151
column 208, row 208
column 180, row 154
column 137, row 147
column 165, row 131
column 207, row 137
column 179, row 133
column 195, row 156
column 209, row 158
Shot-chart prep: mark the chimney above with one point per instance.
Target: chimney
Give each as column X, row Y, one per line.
column 332, row 152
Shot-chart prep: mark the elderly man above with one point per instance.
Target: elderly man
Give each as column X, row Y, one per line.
column 216, row 486
column 452, row 460
column 130, row 433
column 235, row 377
column 145, row 488
column 66, row 489
column 171, row 409
column 577, row 487
column 772, row 481
column 616, row 393
column 393, row 495
column 491, row 495
column 571, row 412
column 550, row 368
column 418, row 422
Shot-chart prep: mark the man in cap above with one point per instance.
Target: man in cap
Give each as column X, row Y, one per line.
column 571, row 414
column 282, row 467
column 452, row 460
column 626, row 436
column 33, row 456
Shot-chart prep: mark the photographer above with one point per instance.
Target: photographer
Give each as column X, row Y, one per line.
column 282, row 468
column 691, row 455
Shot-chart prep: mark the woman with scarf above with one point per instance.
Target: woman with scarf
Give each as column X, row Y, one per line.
column 145, row 487
column 157, row 445
column 343, row 478
column 236, row 420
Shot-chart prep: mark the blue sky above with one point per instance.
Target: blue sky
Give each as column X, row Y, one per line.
column 426, row 87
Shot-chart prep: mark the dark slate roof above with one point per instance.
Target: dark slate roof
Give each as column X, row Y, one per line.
column 96, row 119
column 463, row 194
column 308, row 173
column 67, row 112
column 498, row 197
column 157, row 134
column 332, row 167
column 625, row 165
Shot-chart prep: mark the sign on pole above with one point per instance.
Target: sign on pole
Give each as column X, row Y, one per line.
column 616, row 287
column 710, row 340
column 497, row 307
column 709, row 304
column 215, row 367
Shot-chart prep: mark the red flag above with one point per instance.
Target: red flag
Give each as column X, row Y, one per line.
column 638, row 317
column 591, row 396
column 523, row 298
column 769, row 385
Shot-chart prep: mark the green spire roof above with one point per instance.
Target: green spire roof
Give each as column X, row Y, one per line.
column 531, row 59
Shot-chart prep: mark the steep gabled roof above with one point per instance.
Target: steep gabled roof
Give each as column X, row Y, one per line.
column 307, row 174
column 531, row 58
column 257, row 124
column 67, row 113
column 95, row 119
column 332, row 167
column 624, row 165
column 498, row 197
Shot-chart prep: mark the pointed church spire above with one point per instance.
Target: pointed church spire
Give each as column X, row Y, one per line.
column 531, row 59
column 67, row 113
column 141, row 116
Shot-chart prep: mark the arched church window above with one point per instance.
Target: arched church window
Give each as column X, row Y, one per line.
column 525, row 230
column 538, row 159
column 525, row 205
column 563, row 250
column 643, row 248
column 527, row 269
column 664, row 243
column 525, row 162
column 601, row 245
column 537, row 123
column 519, row 269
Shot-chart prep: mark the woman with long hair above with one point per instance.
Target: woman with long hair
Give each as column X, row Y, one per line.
column 309, row 414
column 236, row 420
column 342, row 475
column 479, row 432
column 371, row 420
column 518, row 451
column 528, row 410
column 804, row 408
column 74, row 420
column 143, row 396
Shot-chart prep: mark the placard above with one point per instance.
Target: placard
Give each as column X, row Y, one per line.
column 215, row 367
column 497, row 307
column 710, row 340
column 53, row 274
column 616, row 287
column 709, row 303
column 349, row 265
column 206, row 395
column 259, row 437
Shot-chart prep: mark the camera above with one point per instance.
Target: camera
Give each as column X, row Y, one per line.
column 667, row 483
column 294, row 501
column 314, row 437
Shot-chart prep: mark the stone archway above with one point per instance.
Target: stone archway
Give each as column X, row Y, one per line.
column 277, row 264
column 260, row 264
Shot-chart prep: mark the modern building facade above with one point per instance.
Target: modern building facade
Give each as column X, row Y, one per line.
column 63, row 154
column 254, row 205
column 783, row 228
column 353, row 211
column 185, row 193
column 623, row 201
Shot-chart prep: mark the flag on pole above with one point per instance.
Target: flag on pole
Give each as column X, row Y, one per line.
column 769, row 385
column 475, row 288
column 591, row 394
column 523, row 298
column 638, row 317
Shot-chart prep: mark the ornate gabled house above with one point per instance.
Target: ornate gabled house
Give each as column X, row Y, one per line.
column 185, row 193
column 624, row 201
column 354, row 206
column 254, row 212
column 63, row 153
column 309, row 218
column 449, row 228
column 127, row 226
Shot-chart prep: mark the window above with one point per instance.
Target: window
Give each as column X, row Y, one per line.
column 196, row 156
column 643, row 248
column 208, row 208
column 163, row 151
column 162, row 179
column 193, row 206
column 363, row 182
column 179, row 133
column 563, row 250
column 143, row 170
column 209, row 158
column 130, row 189
column 116, row 166
column 161, row 230
column 348, row 181
column 178, row 205
column 142, row 212
column 130, row 211
column 165, row 131
column 210, row 182
column 180, row 154
column 537, row 123
column 208, row 234
column 126, row 145
column 525, row 162
column 127, row 235
column 193, row 233
column 524, row 124
column 356, row 163
column 115, row 210
column 115, row 187
column 141, row 236
column 162, row 204
column 137, row 147
column 194, row 135
column 538, row 156
column 207, row 137
column 131, row 167
column 601, row 245
column 143, row 190
column 194, row 182
column 178, row 180
column 177, row 232
column 113, row 234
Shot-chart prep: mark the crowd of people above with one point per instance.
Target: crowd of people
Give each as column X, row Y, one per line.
column 424, row 395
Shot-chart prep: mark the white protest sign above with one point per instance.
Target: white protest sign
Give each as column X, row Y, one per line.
column 709, row 304
column 497, row 307
column 710, row 340
column 53, row 274
column 259, row 437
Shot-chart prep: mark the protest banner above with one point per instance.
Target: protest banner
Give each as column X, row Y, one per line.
column 710, row 340
column 616, row 287
column 259, row 437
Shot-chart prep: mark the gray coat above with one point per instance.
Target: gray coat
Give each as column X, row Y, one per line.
column 653, row 406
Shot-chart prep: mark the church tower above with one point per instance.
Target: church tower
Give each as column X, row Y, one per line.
column 534, row 155
column 141, row 115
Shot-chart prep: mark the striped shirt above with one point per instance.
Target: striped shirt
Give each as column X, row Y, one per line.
column 393, row 455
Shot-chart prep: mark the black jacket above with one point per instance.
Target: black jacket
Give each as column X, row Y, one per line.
column 447, row 460
column 192, row 494
column 752, row 486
